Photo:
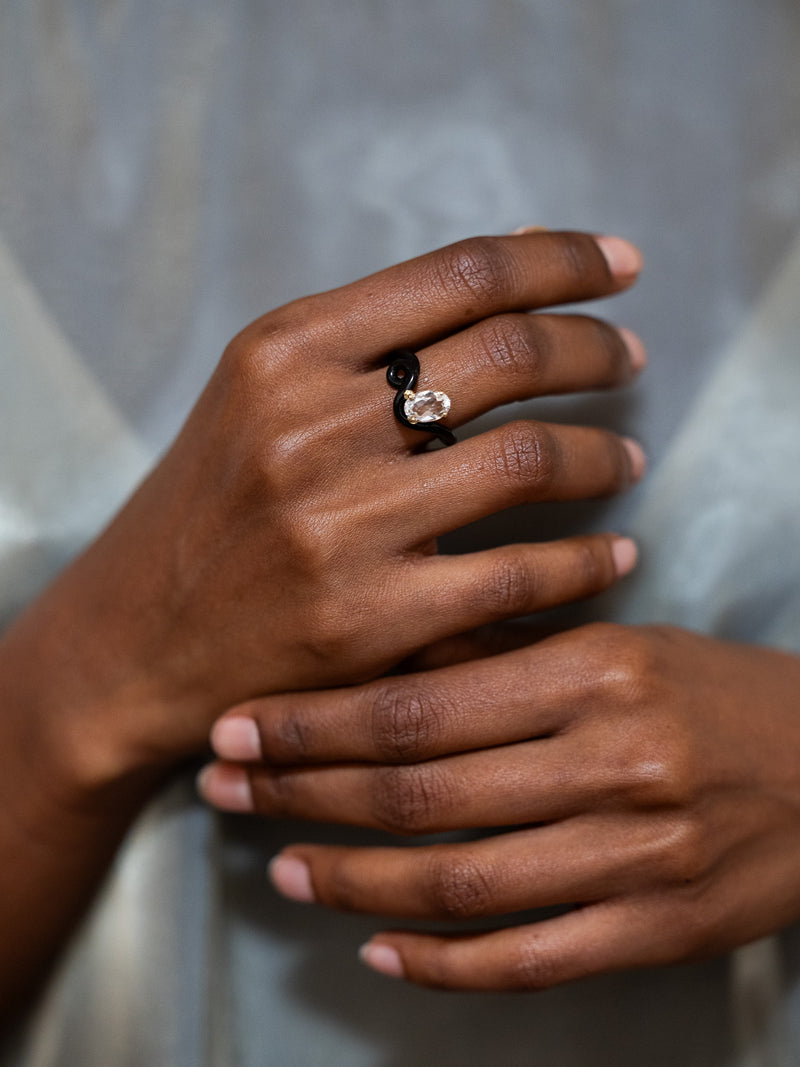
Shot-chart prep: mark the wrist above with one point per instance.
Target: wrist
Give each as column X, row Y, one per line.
column 76, row 722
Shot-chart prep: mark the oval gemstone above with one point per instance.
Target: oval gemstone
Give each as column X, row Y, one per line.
column 427, row 406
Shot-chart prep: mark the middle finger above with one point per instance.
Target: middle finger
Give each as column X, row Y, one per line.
column 531, row 782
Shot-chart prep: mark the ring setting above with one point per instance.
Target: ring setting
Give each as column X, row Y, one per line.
column 418, row 411
column 425, row 406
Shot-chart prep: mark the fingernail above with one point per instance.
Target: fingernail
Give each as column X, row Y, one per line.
column 382, row 958
column 236, row 738
column 636, row 456
column 292, row 878
column 624, row 259
column 520, row 230
column 636, row 350
column 625, row 554
column 225, row 787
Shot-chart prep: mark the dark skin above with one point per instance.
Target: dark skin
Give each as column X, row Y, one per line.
column 647, row 774
column 288, row 538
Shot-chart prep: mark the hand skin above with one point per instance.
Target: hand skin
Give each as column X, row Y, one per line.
column 288, row 540
column 648, row 776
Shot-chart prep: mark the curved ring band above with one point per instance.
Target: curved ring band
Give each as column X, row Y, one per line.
column 417, row 411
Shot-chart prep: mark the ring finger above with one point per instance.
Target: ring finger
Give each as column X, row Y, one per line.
column 514, row 357
column 530, row 782
column 578, row 861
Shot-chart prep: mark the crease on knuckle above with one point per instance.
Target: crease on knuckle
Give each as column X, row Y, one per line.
column 335, row 633
column 262, row 351
column 527, row 458
column 479, row 268
column 406, row 724
column 408, row 799
column 289, row 737
column 581, row 258
column 655, row 772
column 339, row 889
column 511, row 345
column 682, row 852
column 459, row 888
column 511, row 587
column 273, row 792
column 533, row 967
column 625, row 666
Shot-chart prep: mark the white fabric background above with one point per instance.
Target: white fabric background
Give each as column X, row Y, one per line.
column 168, row 172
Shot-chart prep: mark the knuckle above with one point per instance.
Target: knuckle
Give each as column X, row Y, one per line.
column 273, row 792
column 339, row 889
column 458, row 888
column 626, row 667
column 260, row 351
column 291, row 329
column 409, row 800
column 406, row 724
column 443, row 969
column 527, row 456
column 511, row 587
column 683, row 853
column 334, row 631
column 654, row 770
column 312, row 548
column 511, row 344
column 533, row 967
column 480, row 267
column 290, row 737
column 580, row 258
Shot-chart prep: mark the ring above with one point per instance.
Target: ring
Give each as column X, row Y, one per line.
column 417, row 411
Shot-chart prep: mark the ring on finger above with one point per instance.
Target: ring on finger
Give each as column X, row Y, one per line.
column 417, row 411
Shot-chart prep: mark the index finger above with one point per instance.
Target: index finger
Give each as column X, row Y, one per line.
column 436, row 294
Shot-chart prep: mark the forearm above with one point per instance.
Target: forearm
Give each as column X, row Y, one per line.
column 64, row 808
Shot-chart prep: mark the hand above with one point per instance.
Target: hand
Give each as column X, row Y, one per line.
column 287, row 540
column 653, row 775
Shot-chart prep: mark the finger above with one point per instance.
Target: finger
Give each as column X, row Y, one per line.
column 506, row 582
column 516, row 696
column 578, row 861
column 530, row 782
column 612, row 936
column 515, row 580
column 427, row 298
column 515, row 356
column 519, row 463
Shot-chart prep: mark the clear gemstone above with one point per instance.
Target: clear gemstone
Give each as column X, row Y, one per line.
column 427, row 406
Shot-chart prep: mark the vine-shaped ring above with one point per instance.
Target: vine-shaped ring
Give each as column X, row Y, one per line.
column 417, row 411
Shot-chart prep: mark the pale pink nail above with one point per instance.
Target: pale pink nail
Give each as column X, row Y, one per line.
column 636, row 456
column 225, row 787
column 236, row 738
column 636, row 350
column 292, row 878
column 522, row 230
column 624, row 259
column 382, row 958
column 625, row 554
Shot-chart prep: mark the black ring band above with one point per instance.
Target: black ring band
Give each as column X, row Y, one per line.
column 403, row 374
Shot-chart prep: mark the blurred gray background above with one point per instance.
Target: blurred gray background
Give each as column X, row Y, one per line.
column 170, row 171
